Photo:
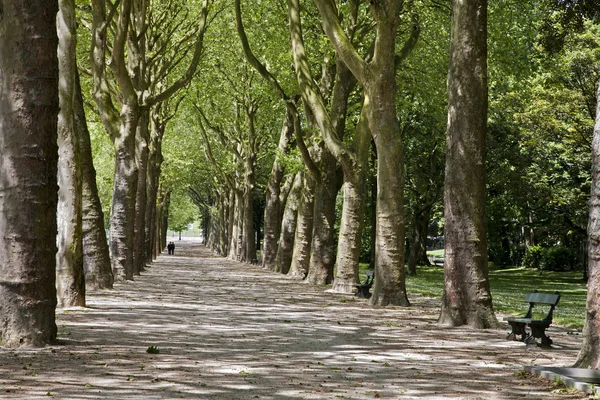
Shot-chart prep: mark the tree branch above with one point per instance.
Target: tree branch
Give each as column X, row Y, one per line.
column 340, row 41
column 189, row 73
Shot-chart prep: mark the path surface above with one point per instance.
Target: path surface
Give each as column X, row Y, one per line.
column 227, row 330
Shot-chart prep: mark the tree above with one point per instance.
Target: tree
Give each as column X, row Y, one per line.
column 142, row 80
column 28, row 171
column 70, row 283
column 96, row 258
column 182, row 212
column 378, row 77
column 467, row 298
column 589, row 356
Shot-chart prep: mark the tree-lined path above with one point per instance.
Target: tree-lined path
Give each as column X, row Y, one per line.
column 227, row 330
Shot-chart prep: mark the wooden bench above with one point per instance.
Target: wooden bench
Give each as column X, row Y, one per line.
column 364, row 289
column 537, row 326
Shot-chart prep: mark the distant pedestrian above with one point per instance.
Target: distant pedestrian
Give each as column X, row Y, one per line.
column 171, row 248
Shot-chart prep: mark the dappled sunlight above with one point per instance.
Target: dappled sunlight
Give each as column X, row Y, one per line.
column 227, row 330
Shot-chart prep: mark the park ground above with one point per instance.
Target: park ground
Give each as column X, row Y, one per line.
column 226, row 330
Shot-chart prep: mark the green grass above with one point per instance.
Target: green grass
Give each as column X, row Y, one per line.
column 509, row 287
column 436, row 253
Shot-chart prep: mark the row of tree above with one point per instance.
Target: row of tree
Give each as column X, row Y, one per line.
column 536, row 168
column 138, row 56
column 141, row 54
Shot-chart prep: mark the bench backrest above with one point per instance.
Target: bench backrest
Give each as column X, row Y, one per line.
column 550, row 299
column 543, row 298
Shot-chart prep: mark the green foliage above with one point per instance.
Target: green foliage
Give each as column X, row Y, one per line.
column 533, row 258
column 182, row 211
column 153, row 350
column 539, row 138
column 556, row 258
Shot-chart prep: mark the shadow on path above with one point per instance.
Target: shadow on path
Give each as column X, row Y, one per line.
column 227, row 330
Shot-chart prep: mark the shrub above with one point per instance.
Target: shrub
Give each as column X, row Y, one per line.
column 533, row 257
column 557, row 258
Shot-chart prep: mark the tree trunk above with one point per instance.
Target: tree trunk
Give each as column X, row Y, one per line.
column 236, row 220
column 467, row 299
column 351, row 223
column 373, row 214
column 322, row 253
column 70, row 283
column 249, row 231
column 152, row 178
column 142, row 137
column 272, row 204
column 285, row 250
column 96, row 259
column 28, row 171
column 589, row 355
column 122, row 216
column 304, row 229
column 390, row 287
column 164, row 220
column 419, row 240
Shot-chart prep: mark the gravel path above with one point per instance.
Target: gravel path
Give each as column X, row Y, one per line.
column 227, row 330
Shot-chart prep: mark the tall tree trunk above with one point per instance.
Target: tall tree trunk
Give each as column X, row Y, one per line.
column 589, row 355
column 164, row 219
column 351, row 223
column 122, row 216
column 304, row 229
column 142, row 138
column 70, row 283
column 378, row 78
column 419, row 240
column 322, row 253
column 283, row 259
column 249, row 240
column 373, row 214
column 236, row 221
column 28, row 170
column 272, row 205
column 96, row 259
column 152, row 177
column 467, row 299
column 249, row 183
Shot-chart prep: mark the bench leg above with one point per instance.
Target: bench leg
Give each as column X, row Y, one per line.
column 518, row 328
column 540, row 332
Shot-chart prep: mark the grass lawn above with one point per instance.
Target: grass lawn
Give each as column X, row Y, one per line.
column 509, row 287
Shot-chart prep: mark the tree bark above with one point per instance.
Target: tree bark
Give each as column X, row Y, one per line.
column 589, row 355
column 28, row 171
column 419, row 240
column 353, row 210
column 273, row 207
column 304, row 229
column 164, row 219
column 248, row 202
column 142, row 138
column 122, row 216
column 154, row 170
column 322, row 253
column 96, row 259
column 283, row 259
column 467, row 299
column 70, row 283
column 378, row 78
